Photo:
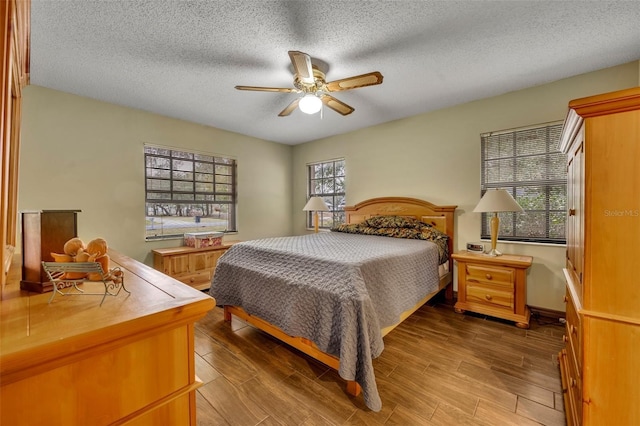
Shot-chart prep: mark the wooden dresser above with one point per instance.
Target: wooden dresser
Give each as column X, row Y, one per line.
column 600, row 364
column 495, row 286
column 192, row 266
column 74, row 362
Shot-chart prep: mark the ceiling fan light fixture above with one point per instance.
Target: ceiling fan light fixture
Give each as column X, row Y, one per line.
column 310, row 104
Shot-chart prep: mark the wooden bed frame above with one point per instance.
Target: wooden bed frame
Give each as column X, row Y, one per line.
column 441, row 217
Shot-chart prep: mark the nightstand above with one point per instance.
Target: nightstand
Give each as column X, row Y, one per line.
column 495, row 286
column 192, row 266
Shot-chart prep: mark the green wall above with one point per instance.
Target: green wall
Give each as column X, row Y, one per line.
column 78, row 153
column 436, row 156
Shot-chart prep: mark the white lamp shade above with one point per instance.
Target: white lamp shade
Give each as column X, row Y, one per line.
column 310, row 104
column 316, row 204
column 497, row 200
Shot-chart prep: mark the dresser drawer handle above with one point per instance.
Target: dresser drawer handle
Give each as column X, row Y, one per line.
column 565, row 299
column 489, row 276
column 573, row 383
column 565, row 338
column 573, row 329
column 488, row 297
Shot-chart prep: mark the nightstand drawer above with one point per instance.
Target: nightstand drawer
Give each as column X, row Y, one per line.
column 196, row 278
column 488, row 274
column 490, row 295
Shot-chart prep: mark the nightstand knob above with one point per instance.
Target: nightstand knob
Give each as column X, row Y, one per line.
column 489, row 276
column 488, row 297
column 573, row 383
column 573, row 329
column 565, row 299
column 565, row 338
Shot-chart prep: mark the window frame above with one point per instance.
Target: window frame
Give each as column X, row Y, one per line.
column 553, row 217
column 202, row 190
column 334, row 199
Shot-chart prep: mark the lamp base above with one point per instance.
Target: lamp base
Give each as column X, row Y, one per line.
column 494, row 253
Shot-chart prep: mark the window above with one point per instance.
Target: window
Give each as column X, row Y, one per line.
column 527, row 163
column 188, row 192
column 326, row 180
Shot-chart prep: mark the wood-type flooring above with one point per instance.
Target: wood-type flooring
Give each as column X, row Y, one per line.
column 437, row 368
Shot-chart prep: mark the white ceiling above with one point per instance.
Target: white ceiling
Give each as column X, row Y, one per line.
column 182, row 59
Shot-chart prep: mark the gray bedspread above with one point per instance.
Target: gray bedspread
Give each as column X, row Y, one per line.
column 337, row 290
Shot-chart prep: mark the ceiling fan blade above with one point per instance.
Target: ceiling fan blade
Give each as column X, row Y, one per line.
column 336, row 105
column 302, row 65
column 355, row 82
column 289, row 109
column 268, row 89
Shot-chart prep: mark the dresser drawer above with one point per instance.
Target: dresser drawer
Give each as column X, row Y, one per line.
column 571, row 388
column 573, row 333
column 488, row 294
column 574, row 388
column 196, row 278
column 493, row 275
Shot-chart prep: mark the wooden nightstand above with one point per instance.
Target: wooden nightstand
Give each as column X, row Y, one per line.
column 495, row 286
column 192, row 266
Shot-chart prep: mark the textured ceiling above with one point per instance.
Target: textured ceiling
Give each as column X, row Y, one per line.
column 182, row 59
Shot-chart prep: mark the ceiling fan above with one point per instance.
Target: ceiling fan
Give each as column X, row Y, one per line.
column 309, row 80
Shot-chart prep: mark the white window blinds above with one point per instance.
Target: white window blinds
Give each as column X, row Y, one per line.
column 527, row 163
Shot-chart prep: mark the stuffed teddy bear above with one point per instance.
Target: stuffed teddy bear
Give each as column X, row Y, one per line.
column 72, row 249
column 73, row 246
column 96, row 251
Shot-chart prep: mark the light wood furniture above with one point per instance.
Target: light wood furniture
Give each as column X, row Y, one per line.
column 192, row 266
column 16, row 17
column 44, row 232
column 494, row 285
column 600, row 364
column 74, row 362
column 440, row 217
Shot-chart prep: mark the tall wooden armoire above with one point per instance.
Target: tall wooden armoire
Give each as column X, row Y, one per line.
column 44, row 232
column 600, row 364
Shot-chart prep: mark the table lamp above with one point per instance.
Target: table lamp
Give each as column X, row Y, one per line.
column 315, row 205
column 494, row 201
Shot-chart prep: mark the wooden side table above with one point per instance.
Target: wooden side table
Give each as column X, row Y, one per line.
column 192, row 266
column 495, row 286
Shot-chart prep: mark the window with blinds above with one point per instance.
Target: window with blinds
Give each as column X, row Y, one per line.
column 326, row 180
column 188, row 192
column 527, row 163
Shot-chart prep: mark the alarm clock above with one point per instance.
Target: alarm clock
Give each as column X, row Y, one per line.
column 476, row 247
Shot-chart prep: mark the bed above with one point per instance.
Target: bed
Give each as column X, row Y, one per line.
column 335, row 295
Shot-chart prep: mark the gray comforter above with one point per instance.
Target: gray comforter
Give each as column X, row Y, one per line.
column 337, row 290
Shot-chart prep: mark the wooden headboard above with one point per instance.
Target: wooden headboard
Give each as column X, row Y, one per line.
column 441, row 217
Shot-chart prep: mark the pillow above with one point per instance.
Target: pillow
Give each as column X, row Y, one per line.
column 352, row 228
column 393, row 222
column 422, row 232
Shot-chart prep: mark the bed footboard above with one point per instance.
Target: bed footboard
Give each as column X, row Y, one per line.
column 300, row 343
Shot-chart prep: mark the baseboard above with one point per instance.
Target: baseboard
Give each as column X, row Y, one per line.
column 547, row 313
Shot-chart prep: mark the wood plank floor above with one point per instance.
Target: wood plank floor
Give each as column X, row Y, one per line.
column 437, row 368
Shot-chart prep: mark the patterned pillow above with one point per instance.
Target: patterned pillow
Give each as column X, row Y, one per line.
column 353, row 228
column 393, row 222
column 422, row 232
